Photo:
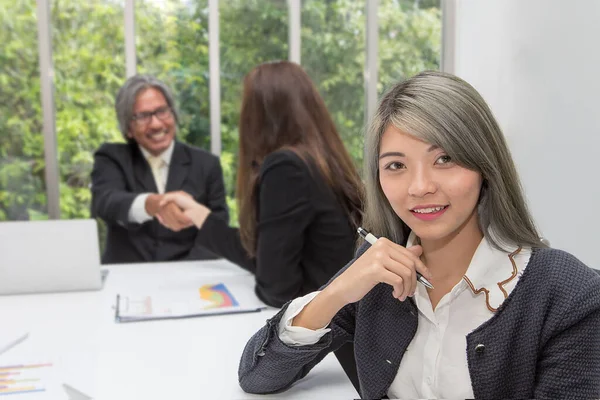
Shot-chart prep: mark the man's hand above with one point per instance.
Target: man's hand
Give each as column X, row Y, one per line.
column 173, row 218
column 196, row 212
column 153, row 204
column 169, row 215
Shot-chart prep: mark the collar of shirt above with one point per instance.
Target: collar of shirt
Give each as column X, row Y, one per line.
column 165, row 155
column 489, row 272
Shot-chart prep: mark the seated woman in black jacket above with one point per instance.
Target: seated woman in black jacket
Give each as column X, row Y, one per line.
column 298, row 192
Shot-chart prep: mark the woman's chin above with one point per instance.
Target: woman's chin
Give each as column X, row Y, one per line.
column 429, row 234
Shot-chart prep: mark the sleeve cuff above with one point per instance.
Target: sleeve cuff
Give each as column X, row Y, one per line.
column 297, row 335
column 137, row 212
column 210, row 221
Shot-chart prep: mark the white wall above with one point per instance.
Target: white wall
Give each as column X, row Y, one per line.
column 537, row 64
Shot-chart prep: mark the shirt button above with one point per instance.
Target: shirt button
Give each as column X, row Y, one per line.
column 429, row 380
column 480, row 348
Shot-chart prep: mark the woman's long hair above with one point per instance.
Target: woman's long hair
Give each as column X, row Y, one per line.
column 282, row 109
column 444, row 110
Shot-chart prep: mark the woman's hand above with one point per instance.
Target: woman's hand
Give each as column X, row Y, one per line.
column 384, row 262
column 173, row 218
column 196, row 212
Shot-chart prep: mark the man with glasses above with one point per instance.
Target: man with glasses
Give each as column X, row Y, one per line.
column 129, row 180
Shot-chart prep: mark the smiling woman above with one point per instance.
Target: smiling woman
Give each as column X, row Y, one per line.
column 427, row 190
column 449, row 122
column 445, row 200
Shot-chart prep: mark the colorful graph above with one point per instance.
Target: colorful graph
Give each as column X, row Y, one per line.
column 219, row 295
column 19, row 379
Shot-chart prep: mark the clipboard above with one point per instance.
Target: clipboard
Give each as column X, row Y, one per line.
column 207, row 300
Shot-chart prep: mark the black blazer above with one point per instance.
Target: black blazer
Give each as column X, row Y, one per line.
column 303, row 235
column 542, row 343
column 121, row 173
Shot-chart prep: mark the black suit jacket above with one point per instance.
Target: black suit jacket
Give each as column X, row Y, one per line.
column 121, row 173
column 303, row 235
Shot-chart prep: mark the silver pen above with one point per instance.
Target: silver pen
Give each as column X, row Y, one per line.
column 369, row 237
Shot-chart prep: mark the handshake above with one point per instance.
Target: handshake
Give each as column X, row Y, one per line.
column 176, row 210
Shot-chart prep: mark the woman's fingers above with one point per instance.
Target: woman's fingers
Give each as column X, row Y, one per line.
column 421, row 267
column 384, row 262
column 167, row 198
column 393, row 280
column 386, row 269
column 402, row 262
column 181, row 200
column 412, row 253
column 406, row 266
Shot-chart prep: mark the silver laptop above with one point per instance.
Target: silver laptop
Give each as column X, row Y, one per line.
column 49, row 256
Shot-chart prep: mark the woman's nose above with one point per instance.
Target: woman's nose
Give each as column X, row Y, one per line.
column 422, row 183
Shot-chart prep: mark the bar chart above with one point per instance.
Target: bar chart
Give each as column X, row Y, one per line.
column 23, row 378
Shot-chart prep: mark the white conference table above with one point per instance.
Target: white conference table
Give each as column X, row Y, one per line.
column 194, row 358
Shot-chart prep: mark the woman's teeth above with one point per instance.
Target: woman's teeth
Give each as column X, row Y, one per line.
column 428, row 210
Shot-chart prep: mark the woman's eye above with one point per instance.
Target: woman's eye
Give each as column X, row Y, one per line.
column 394, row 166
column 445, row 159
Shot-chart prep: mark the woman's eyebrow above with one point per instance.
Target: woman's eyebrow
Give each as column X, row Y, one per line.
column 392, row 154
column 400, row 154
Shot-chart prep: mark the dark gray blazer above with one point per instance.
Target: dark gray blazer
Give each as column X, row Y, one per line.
column 121, row 173
column 543, row 342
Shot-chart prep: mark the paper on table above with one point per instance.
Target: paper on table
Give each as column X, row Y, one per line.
column 27, row 375
column 212, row 299
column 31, row 371
column 27, row 379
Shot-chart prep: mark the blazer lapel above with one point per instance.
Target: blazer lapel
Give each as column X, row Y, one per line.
column 178, row 169
column 142, row 172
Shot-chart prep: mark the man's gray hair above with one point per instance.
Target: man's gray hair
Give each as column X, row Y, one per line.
column 128, row 93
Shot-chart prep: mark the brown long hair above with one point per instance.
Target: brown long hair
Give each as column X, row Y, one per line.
column 282, row 109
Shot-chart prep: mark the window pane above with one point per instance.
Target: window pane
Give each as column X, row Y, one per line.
column 251, row 32
column 333, row 54
column 22, row 189
column 410, row 39
column 172, row 44
column 89, row 65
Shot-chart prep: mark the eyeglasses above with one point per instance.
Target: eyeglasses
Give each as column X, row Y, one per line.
column 144, row 118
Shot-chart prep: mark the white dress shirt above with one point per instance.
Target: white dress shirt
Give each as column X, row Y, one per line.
column 435, row 362
column 137, row 212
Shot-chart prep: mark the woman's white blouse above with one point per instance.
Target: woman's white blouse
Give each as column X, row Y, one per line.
column 435, row 363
